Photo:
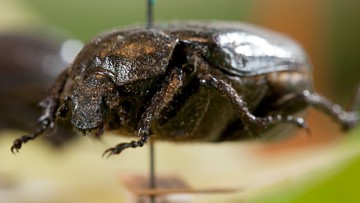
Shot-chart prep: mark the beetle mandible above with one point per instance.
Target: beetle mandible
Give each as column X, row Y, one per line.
column 197, row 81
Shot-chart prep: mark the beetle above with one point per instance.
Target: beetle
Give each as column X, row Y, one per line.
column 195, row 81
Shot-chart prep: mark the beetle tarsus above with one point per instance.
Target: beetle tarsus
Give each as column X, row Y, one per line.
column 255, row 126
column 49, row 104
column 347, row 119
column 44, row 124
column 120, row 147
column 299, row 122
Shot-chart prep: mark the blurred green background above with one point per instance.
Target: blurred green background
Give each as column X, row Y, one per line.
column 328, row 29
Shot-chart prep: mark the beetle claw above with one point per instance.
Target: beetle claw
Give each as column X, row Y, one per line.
column 15, row 148
column 108, row 152
column 116, row 150
column 18, row 143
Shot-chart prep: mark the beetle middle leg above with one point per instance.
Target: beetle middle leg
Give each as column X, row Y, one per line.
column 251, row 122
column 49, row 104
column 158, row 103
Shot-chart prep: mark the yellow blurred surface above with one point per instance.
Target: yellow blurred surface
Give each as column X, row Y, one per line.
column 78, row 173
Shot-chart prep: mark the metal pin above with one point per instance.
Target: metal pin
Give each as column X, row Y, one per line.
column 152, row 178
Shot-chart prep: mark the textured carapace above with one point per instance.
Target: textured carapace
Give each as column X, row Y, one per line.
column 187, row 82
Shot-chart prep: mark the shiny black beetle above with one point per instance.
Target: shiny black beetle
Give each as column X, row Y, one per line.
column 196, row 81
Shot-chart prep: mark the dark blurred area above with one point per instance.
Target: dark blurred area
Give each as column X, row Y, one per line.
column 29, row 63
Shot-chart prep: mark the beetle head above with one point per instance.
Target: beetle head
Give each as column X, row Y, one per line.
column 91, row 103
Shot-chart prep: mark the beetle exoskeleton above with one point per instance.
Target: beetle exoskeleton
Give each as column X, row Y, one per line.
column 212, row 81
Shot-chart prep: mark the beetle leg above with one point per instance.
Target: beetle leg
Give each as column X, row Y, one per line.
column 346, row 118
column 158, row 103
column 62, row 111
column 252, row 123
column 49, row 104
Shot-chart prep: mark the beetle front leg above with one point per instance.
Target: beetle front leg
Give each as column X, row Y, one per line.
column 49, row 104
column 252, row 123
column 158, row 103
